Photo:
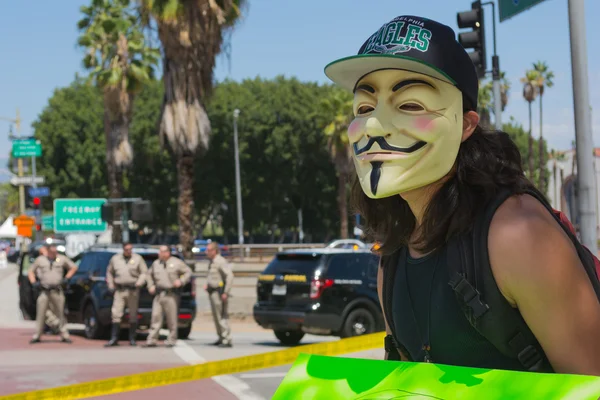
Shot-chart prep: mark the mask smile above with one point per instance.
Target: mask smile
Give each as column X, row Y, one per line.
column 392, row 151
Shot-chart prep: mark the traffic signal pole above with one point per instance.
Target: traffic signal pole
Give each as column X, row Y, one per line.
column 496, row 73
column 586, row 182
column 475, row 39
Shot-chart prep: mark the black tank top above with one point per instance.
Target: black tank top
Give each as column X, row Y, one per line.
column 451, row 337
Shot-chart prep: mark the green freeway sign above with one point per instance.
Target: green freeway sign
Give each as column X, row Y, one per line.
column 78, row 215
column 48, row 222
column 510, row 8
column 26, row 148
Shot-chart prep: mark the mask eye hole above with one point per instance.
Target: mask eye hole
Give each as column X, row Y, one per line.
column 411, row 107
column 365, row 109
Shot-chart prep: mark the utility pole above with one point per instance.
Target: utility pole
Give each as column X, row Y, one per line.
column 238, row 186
column 586, row 180
column 17, row 122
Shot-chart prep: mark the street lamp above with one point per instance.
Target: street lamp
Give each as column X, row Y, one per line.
column 238, row 188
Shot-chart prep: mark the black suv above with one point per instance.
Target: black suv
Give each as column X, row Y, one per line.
column 319, row 291
column 88, row 300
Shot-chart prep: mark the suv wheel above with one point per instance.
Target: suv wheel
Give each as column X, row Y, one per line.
column 93, row 328
column 289, row 338
column 359, row 322
column 184, row 333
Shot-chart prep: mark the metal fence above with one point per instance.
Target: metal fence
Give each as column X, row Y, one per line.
column 263, row 252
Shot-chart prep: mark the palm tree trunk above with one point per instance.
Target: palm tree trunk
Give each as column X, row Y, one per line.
column 561, row 191
column 111, row 130
column 555, row 184
column 530, row 155
column 343, row 205
column 185, row 175
column 542, row 182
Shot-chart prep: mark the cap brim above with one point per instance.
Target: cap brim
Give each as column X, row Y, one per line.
column 346, row 72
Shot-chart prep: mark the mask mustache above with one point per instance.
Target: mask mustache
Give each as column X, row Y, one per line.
column 384, row 145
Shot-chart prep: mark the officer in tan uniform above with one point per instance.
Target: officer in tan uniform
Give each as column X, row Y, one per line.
column 52, row 321
column 166, row 276
column 125, row 275
column 47, row 273
column 218, row 286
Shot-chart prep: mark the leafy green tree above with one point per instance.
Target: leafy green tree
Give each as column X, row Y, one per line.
column 529, row 94
column 339, row 107
column 9, row 201
column 70, row 129
column 486, row 98
column 521, row 139
column 154, row 175
column 192, row 35
column 120, row 63
column 284, row 161
column 545, row 79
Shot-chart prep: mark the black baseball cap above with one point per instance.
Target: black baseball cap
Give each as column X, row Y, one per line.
column 414, row 44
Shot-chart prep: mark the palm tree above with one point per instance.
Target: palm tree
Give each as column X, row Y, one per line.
column 339, row 107
column 529, row 93
column 120, row 64
column 544, row 80
column 192, row 34
column 485, row 98
column 556, row 156
column 485, row 104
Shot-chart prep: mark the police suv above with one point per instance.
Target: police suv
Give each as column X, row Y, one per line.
column 324, row 291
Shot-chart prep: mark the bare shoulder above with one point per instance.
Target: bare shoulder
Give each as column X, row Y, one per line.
column 524, row 243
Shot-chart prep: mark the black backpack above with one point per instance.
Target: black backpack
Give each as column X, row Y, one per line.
column 476, row 290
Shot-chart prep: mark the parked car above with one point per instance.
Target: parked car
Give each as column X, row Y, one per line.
column 88, row 300
column 354, row 244
column 319, row 291
column 199, row 249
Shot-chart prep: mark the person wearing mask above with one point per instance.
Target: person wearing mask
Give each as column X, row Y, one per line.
column 47, row 273
column 476, row 268
column 166, row 277
column 125, row 275
column 218, row 286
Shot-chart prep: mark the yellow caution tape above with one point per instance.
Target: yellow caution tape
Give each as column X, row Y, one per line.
column 170, row 376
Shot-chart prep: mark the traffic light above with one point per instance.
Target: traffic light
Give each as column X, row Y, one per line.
column 36, row 202
column 474, row 39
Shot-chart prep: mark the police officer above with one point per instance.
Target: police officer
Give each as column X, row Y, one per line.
column 52, row 321
column 218, row 286
column 125, row 275
column 47, row 274
column 166, row 276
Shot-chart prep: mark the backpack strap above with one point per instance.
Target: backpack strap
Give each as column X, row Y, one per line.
column 389, row 266
column 585, row 255
column 484, row 305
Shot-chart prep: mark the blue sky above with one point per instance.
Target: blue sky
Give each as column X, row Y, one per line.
column 298, row 38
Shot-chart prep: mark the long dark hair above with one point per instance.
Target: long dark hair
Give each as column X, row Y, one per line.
column 487, row 161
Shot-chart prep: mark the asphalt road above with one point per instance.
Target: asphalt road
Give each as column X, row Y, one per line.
column 25, row 367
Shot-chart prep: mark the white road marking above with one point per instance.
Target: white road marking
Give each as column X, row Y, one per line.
column 264, row 375
column 235, row 386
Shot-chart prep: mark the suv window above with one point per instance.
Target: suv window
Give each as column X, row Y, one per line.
column 347, row 266
column 302, row 264
column 87, row 263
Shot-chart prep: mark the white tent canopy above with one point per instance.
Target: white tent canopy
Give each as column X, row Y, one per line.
column 8, row 230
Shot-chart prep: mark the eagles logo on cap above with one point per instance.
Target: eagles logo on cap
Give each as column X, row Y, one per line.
column 414, row 44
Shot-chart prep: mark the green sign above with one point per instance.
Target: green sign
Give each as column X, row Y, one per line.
column 48, row 222
column 333, row 378
column 510, row 8
column 26, row 148
column 78, row 215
